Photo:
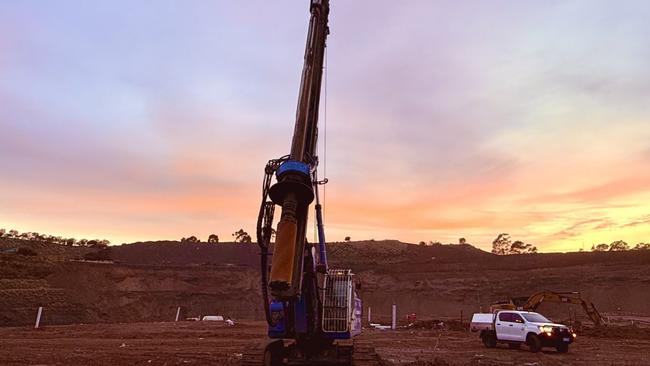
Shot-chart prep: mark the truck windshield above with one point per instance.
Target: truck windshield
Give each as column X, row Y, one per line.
column 536, row 318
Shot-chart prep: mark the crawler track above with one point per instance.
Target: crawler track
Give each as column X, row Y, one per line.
column 253, row 354
column 364, row 354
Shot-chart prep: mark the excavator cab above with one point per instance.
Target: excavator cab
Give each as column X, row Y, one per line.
column 502, row 305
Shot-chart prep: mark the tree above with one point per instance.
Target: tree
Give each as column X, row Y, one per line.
column 102, row 244
column 462, row 241
column 213, row 238
column 191, row 239
column 13, row 234
column 618, row 246
column 602, row 247
column 70, row 242
column 519, row 247
column 501, row 245
column 242, row 237
column 422, row 243
column 347, row 238
column 642, row 246
column 2, row 232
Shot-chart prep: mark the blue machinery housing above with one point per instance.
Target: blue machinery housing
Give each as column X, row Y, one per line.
column 294, row 166
column 341, row 314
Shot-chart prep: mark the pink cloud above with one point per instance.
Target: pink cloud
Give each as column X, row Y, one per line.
column 645, row 220
column 599, row 193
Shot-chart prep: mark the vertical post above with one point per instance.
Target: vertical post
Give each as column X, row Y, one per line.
column 369, row 315
column 461, row 318
column 394, row 324
column 178, row 313
column 38, row 317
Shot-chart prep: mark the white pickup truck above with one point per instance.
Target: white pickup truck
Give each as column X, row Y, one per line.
column 521, row 327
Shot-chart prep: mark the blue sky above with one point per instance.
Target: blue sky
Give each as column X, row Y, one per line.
column 152, row 120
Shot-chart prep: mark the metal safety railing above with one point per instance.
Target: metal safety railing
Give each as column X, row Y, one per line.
column 337, row 301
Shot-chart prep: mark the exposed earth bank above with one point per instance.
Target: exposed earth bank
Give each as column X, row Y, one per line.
column 149, row 281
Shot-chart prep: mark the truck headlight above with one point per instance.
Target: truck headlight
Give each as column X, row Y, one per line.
column 546, row 329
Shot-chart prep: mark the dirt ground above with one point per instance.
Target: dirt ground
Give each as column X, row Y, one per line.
column 204, row 343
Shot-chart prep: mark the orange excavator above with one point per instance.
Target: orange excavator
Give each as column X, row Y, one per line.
column 531, row 303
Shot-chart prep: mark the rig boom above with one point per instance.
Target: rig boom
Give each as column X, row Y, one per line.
column 294, row 190
column 313, row 311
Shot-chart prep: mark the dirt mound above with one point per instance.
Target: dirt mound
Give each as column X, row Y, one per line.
column 177, row 253
column 149, row 281
column 361, row 254
column 46, row 250
column 73, row 291
column 392, row 253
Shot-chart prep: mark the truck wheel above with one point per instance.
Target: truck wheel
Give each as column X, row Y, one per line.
column 514, row 345
column 562, row 348
column 534, row 343
column 490, row 340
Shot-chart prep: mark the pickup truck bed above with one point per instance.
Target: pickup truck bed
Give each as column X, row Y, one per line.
column 481, row 321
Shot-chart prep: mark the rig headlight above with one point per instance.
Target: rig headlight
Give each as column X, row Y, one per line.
column 276, row 317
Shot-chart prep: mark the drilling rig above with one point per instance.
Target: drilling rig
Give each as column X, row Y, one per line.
column 313, row 311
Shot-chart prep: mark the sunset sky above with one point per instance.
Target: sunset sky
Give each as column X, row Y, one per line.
column 153, row 120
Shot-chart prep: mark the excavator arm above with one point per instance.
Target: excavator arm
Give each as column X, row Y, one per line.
column 531, row 303
column 575, row 298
